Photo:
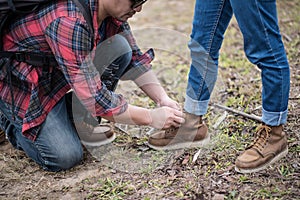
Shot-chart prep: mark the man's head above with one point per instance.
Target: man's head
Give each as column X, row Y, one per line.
column 120, row 9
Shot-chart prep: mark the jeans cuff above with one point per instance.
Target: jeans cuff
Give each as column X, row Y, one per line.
column 274, row 118
column 195, row 107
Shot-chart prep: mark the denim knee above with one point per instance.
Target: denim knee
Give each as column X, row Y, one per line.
column 63, row 160
column 115, row 50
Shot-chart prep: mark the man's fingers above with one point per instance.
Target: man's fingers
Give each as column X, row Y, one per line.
column 178, row 113
column 179, row 120
column 179, row 117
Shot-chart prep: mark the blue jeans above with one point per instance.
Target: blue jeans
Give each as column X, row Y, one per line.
column 263, row 47
column 57, row 146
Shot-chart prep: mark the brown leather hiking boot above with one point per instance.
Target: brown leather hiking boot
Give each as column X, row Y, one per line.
column 2, row 136
column 95, row 136
column 269, row 146
column 193, row 133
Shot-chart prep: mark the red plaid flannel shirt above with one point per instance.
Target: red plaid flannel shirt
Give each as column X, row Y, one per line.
column 61, row 29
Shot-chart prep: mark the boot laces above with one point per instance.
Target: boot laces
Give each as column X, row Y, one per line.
column 170, row 131
column 199, row 125
column 2, row 136
column 262, row 136
column 2, row 133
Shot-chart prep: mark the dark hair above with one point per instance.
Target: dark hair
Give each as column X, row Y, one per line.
column 137, row 3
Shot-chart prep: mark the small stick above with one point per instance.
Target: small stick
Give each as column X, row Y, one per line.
column 252, row 116
column 288, row 38
column 196, row 155
column 118, row 126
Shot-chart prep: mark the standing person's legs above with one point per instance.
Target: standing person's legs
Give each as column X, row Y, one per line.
column 210, row 22
column 57, row 146
column 264, row 47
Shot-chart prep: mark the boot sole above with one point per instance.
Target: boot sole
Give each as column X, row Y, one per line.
column 276, row 158
column 100, row 143
column 183, row 145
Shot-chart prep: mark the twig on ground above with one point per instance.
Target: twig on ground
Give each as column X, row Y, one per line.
column 250, row 116
column 152, row 130
column 285, row 36
column 120, row 128
column 196, row 155
column 220, row 120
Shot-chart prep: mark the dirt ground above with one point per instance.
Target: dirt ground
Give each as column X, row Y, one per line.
column 128, row 169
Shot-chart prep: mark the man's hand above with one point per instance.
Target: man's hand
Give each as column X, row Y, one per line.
column 160, row 118
column 165, row 117
column 167, row 101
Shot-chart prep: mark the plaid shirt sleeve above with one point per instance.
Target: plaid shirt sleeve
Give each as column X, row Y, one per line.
column 70, row 42
column 141, row 62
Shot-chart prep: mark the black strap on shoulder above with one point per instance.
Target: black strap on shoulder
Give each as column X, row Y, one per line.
column 32, row 58
column 87, row 14
column 11, row 5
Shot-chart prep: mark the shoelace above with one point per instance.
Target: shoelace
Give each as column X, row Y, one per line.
column 262, row 136
column 2, row 136
column 170, row 130
column 2, row 133
column 199, row 125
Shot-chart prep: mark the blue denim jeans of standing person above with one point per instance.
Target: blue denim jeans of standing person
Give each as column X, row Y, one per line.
column 57, row 146
column 263, row 47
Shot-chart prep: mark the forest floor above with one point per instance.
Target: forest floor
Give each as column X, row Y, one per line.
column 128, row 169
